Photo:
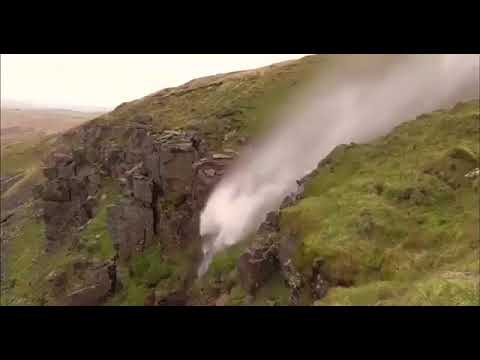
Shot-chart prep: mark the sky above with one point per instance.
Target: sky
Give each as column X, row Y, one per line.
column 85, row 81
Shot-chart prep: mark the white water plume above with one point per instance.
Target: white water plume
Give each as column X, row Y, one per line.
column 358, row 98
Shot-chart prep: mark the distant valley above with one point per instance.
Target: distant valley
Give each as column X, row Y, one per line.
column 21, row 124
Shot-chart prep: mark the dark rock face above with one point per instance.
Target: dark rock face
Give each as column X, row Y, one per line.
column 271, row 224
column 57, row 190
column 272, row 252
column 132, row 227
column 256, row 265
column 100, row 283
column 319, row 283
column 68, row 197
column 165, row 179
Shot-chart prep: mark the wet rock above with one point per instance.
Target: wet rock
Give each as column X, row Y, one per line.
column 319, row 284
column 271, row 223
column 207, row 173
column 256, row 265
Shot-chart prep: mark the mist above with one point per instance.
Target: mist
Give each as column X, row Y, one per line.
column 358, row 98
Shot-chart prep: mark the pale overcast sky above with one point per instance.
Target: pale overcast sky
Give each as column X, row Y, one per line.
column 107, row 80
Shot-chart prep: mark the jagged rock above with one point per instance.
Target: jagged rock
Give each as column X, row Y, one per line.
column 143, row 189
column 131, row 227
column 221, row 156
column 319, row 283
column 255, row 266
column 78, row 188
column 61, row 159
column 271, row 223
column 90, row 205
column 113, row 158
column 134, row 170
column 207, row 173
column 93, row 183
column 59, row 218
column 293, row 280
column 86, row 170
column 152, row 165
column 58, row 279
column 79, row 156
column 100, row 283
column 37, row 191
column 5, row 217
column 176, row 168
column 50, row 172
column 66, row 171
column 57, row 190
column 472, row 174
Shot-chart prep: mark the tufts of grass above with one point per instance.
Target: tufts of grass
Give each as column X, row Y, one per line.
column 388, row 216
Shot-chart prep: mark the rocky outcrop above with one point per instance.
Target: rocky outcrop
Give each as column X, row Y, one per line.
column 165, row 178
column 256, row 265
column 68, row 197
column 273, row 251
column 99, row 284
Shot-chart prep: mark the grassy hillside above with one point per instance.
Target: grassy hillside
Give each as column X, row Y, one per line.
column 392, row 222
column 395, row 221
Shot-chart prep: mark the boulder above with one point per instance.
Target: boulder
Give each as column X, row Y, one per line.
column 100, row 281
column 58, row 279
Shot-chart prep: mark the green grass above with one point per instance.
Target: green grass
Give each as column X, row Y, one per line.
column 27, row 265
column 96, row 238
column 385, row 223
column 153, row 270
column 24, row 155
column 242, row 105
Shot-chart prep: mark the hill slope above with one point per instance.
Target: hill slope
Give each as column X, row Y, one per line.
column 394, row 221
